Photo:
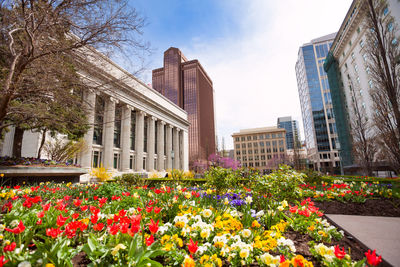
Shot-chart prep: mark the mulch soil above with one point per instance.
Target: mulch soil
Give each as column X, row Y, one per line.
column 371, row 207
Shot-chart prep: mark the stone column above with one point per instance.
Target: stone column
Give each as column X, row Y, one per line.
column 86, row 156
column 169, row 147
column 185, row 150
column 109, row 121
column 125, row 137
column 151, row 143
column 176, row 148
column 139, row 140
column 160, row 145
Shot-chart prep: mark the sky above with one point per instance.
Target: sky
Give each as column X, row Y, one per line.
column 247, row 47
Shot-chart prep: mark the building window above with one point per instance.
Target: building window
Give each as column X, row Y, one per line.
column 390, row 27
column 117, row 126
column 249, row 145
column 131, row 162
column 116, row 161
column 165, row 141
column 386, row 11
column 370, row 83
column 98, row 121
column 358, row 79
column 242, row 138
column 146, row 120
column 356, row 68
column 155, row 138
column 362, row 43
column 350, row 43
column 248, row 138
column 96, row 159
column 243, row 145
column 133, row 129
column 352, row 55
column 237, row 146
column 358, row 30
column 237, row 139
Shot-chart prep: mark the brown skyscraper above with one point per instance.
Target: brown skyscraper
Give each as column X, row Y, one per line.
column 187, row 84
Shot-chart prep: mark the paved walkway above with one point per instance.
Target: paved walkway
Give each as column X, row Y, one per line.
column 380, row 233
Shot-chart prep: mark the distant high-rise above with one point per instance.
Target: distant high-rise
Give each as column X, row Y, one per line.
column 187, row 84
column 316, row 104
column 292, row 131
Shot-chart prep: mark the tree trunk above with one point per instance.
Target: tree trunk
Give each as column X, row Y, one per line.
column 17, row 145
column 42, row 143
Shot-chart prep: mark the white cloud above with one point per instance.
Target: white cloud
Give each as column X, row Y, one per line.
column 254, row 76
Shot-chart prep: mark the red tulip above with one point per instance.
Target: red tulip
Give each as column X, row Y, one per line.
column 94, row 219
column 61, row 220
column 2, row 261
column 40, row 214
column 39, row 222
column 17, row 230
column 84, row 208
column 10, row 247
column 77, row 202
column 157, row 210
column 149, row 209
column 75, row 216
column 339, row 253
column 53, row 232
column 150, row 240
column 192, row 246
column 282, row 258
column 113, row 229
column 372, row 258
column 98, row 227
column 153, row 227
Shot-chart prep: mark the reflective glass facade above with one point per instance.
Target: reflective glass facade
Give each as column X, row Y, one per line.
column 186, row 84
column 291, row 127
column 315, row 98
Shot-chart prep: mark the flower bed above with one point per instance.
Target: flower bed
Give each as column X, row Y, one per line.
column 115, row 225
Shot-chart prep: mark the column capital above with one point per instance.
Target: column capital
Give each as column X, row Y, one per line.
column 170, row 126
column 153, row 118
column 141, row 112
column 162, row 122
column 127, row 106
column 113, row 99
column 177, row 129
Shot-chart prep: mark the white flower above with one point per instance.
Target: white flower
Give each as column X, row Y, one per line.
column 206, row 213
column 244, row 253
column 246, row 233
column 14, row 223
column 260, row 214
column 24, row 264
column 249, row 200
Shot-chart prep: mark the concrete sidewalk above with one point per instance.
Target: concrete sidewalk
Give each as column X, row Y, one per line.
column 380, row 233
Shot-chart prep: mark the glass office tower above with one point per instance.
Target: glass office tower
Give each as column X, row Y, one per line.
column 292, row 131
column 316, row 104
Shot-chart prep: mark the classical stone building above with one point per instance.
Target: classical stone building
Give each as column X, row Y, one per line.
column 133, row 127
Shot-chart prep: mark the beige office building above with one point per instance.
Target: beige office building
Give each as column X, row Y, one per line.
column 260, row 148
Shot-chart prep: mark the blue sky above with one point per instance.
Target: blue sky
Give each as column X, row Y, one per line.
column 248, row 47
